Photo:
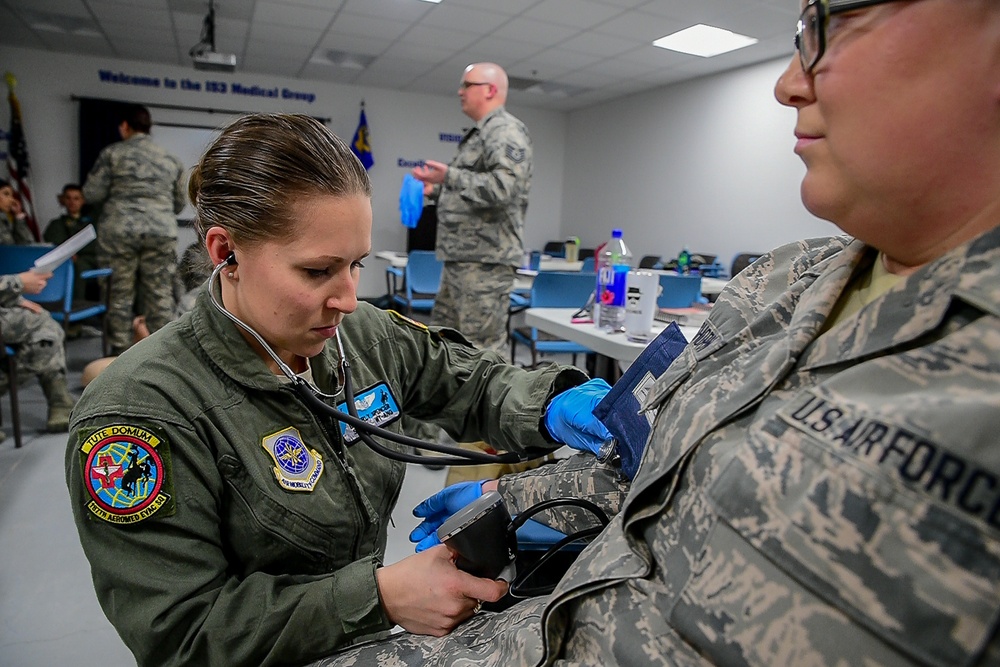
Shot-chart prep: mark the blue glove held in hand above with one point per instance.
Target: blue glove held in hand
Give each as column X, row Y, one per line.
column 438, row 508
column 570, row 416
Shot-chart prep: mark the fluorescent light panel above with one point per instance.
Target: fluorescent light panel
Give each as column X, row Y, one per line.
column 704, row 40
column 431, row 1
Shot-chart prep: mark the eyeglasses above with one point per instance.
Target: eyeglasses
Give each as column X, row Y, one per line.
column 810, row 34
column 469, row 84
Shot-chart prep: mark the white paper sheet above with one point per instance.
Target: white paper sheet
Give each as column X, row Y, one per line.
column 52, row 259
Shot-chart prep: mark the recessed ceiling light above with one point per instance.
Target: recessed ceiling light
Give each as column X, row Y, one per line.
column 704, row 40
column 431, row 1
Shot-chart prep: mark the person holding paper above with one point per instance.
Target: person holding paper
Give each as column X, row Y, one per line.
column 38, row 340
column 66, row 225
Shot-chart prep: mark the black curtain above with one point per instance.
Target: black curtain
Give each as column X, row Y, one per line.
column 98, row 127
column 424, row 235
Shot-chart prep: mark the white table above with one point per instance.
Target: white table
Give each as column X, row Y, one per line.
column 710, row 286
column 556, row 321
column 396, row 259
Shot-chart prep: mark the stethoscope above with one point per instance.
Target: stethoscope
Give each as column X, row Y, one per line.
column 312, row 396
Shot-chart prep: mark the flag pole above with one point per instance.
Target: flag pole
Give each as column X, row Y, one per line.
column 17, row 159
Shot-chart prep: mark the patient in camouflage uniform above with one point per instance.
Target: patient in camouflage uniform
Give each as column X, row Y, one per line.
column 822, row 483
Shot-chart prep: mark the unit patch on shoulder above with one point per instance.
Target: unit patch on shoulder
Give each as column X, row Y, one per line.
column 377, row 406
column 126, row 470
column 296, row 467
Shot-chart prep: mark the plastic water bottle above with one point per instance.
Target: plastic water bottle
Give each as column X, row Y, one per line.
column 684, row 262
column 612, row 274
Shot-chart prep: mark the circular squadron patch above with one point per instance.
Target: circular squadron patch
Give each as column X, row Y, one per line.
column 126, row 471
column 296, row 467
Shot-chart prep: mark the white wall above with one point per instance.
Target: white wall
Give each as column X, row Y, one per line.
column 403, row 125
column 706, row 163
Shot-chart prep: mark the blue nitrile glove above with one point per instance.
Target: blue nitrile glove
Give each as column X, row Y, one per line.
column 570, row 418
column 438, row 508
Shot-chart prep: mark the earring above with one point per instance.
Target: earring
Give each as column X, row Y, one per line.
column 230, row 275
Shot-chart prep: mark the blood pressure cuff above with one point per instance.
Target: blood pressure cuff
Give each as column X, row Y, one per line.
column 619, row 410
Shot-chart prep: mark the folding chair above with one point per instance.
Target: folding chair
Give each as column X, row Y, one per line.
column 9, row 359
column 554, row 289
column 421, row 282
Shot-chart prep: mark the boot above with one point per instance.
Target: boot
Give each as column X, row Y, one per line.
column 59, row 400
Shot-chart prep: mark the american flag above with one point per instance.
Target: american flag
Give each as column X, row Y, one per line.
column 17, row 159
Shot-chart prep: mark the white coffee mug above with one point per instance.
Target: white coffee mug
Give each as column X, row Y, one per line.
column 642, row 289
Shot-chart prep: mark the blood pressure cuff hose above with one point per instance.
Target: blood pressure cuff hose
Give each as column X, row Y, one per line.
column 619, row 410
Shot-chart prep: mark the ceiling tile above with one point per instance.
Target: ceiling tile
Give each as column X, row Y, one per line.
column 359, row 24
column 509, row 7
column 453, row 39
column 59, row 7
column 461, row 18
column 422, row 53
column 119, row 33
column 639, row 25
column 266, row 63
column 282, row 34
column 396, row 10
column 298, row 16
column 139, row 49
column 574, row 13
column 535, row 32
column 596, row 44
column 231, row 9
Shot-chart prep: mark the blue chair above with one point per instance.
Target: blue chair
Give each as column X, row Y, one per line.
column 588, row 265
column 554, row 249
column 678, row 291
column 57, row 297
column 421, row 282
column 9, row 358
column 554, row 289
column 649, row 261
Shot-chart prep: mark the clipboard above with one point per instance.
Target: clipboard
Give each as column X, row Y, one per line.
column 48, row 262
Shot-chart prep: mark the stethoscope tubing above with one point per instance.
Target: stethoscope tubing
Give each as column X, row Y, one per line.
column 313, row 397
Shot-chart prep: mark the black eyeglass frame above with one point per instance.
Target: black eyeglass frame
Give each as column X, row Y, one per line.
column 469, row 84
column 824, row 11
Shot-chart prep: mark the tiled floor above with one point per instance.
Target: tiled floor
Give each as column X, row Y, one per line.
column 49, row 614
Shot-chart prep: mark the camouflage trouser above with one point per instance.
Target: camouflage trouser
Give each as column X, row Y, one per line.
column 143, row 261
column 512, row 637
column 474, row 299
column 37, row 340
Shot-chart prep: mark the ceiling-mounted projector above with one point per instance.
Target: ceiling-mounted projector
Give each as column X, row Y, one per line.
column 204, row 55
column 215, row 62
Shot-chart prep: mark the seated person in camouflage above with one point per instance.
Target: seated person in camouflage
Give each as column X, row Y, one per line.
column 38, row 341
column 822, row 481
column 13, row 224
column 66, row 225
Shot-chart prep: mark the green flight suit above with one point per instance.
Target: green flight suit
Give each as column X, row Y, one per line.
column 199, row 555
